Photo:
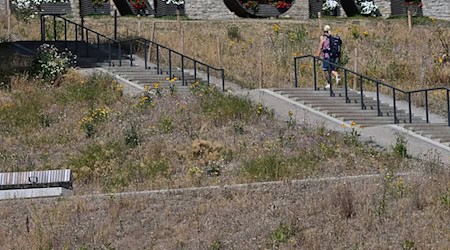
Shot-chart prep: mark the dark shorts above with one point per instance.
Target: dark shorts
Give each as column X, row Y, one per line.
column 326, row 66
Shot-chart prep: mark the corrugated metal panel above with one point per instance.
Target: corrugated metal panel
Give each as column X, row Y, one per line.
column 49, row 178
column 55, row 8
column 164, row 9
column 398, row 8
column 87, row 8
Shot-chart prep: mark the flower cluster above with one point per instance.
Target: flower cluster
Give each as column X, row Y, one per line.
column 330, row 5
column 88, row 122
column 368, row 7
column 138, row 4
column 201, row 89
column 27, row 9
column 49, row 64
column 282, row 5
column 176, row 2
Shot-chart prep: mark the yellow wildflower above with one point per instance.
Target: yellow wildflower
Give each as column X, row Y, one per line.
column 353, row 124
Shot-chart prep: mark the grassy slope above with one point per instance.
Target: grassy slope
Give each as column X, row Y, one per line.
column 185, row 141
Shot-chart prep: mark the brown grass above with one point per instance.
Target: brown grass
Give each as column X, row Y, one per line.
column 270, row 216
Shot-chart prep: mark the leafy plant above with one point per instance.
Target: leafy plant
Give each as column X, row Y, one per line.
column 400, row 148
column 131, row 136
column 49, row 63
column 280, row 235
column 233, row 32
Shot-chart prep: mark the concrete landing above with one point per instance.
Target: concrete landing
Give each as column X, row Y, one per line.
column 34, row 193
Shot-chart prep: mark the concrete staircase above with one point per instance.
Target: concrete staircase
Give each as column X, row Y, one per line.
column 337, row 107
column 150, row 76
column 97, row 57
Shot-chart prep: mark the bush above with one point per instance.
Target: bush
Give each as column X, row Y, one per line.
column 49, row 64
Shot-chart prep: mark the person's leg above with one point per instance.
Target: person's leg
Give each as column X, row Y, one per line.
column 326, row 73
column 334, row 71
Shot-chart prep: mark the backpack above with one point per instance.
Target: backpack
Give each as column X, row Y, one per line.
column 335, row 46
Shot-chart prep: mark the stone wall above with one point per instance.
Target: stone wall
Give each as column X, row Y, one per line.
column 2, row 5
column 207, row 9
column 384, row 6
column 437, row 9
column 299, row 10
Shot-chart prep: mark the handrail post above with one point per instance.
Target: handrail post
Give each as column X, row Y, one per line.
column 87, row 43
column 395, row 105
column 109, row 52
column 329, row 79
column 145, row 55
column 378, row 99
column 54, row 27
column 43, row 28
column 347, row 100
column 207, row 72
column 195, row 70
column 76, row 37
column 170, row 64
column 315, row 73
column 296, row 72
column 98, row 41
column 65, row 33
column 82, row 29
column 131, row 53
column 409, row 107
column 120, row 53
column 362, row 91
column 223, row 80
column 157, row 59
column 182, row 70
column 426, row 106
column 448, row 107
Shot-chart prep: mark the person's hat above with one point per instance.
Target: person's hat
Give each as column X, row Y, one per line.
column 326, row 28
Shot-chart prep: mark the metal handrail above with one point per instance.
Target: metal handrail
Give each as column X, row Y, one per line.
column 85, row 38
column 148, row 43
column 378, row 83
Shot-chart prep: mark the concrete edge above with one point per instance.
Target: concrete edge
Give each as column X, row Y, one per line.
column 420, row 137
column 330, row 118
column 27, row 193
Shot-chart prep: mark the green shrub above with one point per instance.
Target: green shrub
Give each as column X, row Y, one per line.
column 400, row 148
column 234, row 32
column 132, row 137
column 49, row 63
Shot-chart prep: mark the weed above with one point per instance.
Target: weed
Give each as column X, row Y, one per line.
column 45, row 120
column 131, row 136
column 291, row 122
column 408, row 245
column 166, row 124
column 280, row 235
column 215, row 245
column 344, row 201
column 238, row 128
column 445, row 199
column 400, row 148
column 233, row 32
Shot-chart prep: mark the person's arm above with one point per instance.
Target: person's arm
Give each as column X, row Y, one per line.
column 319, row 49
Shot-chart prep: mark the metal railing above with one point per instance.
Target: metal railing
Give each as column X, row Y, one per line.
column 81, row 35
column 184, row 60
column 377, row 85
column 88, row 36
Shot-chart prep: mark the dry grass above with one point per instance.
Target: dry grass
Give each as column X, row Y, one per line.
column 386, row 49
column 206, row 139
column 402, row 213
column 176, row 141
